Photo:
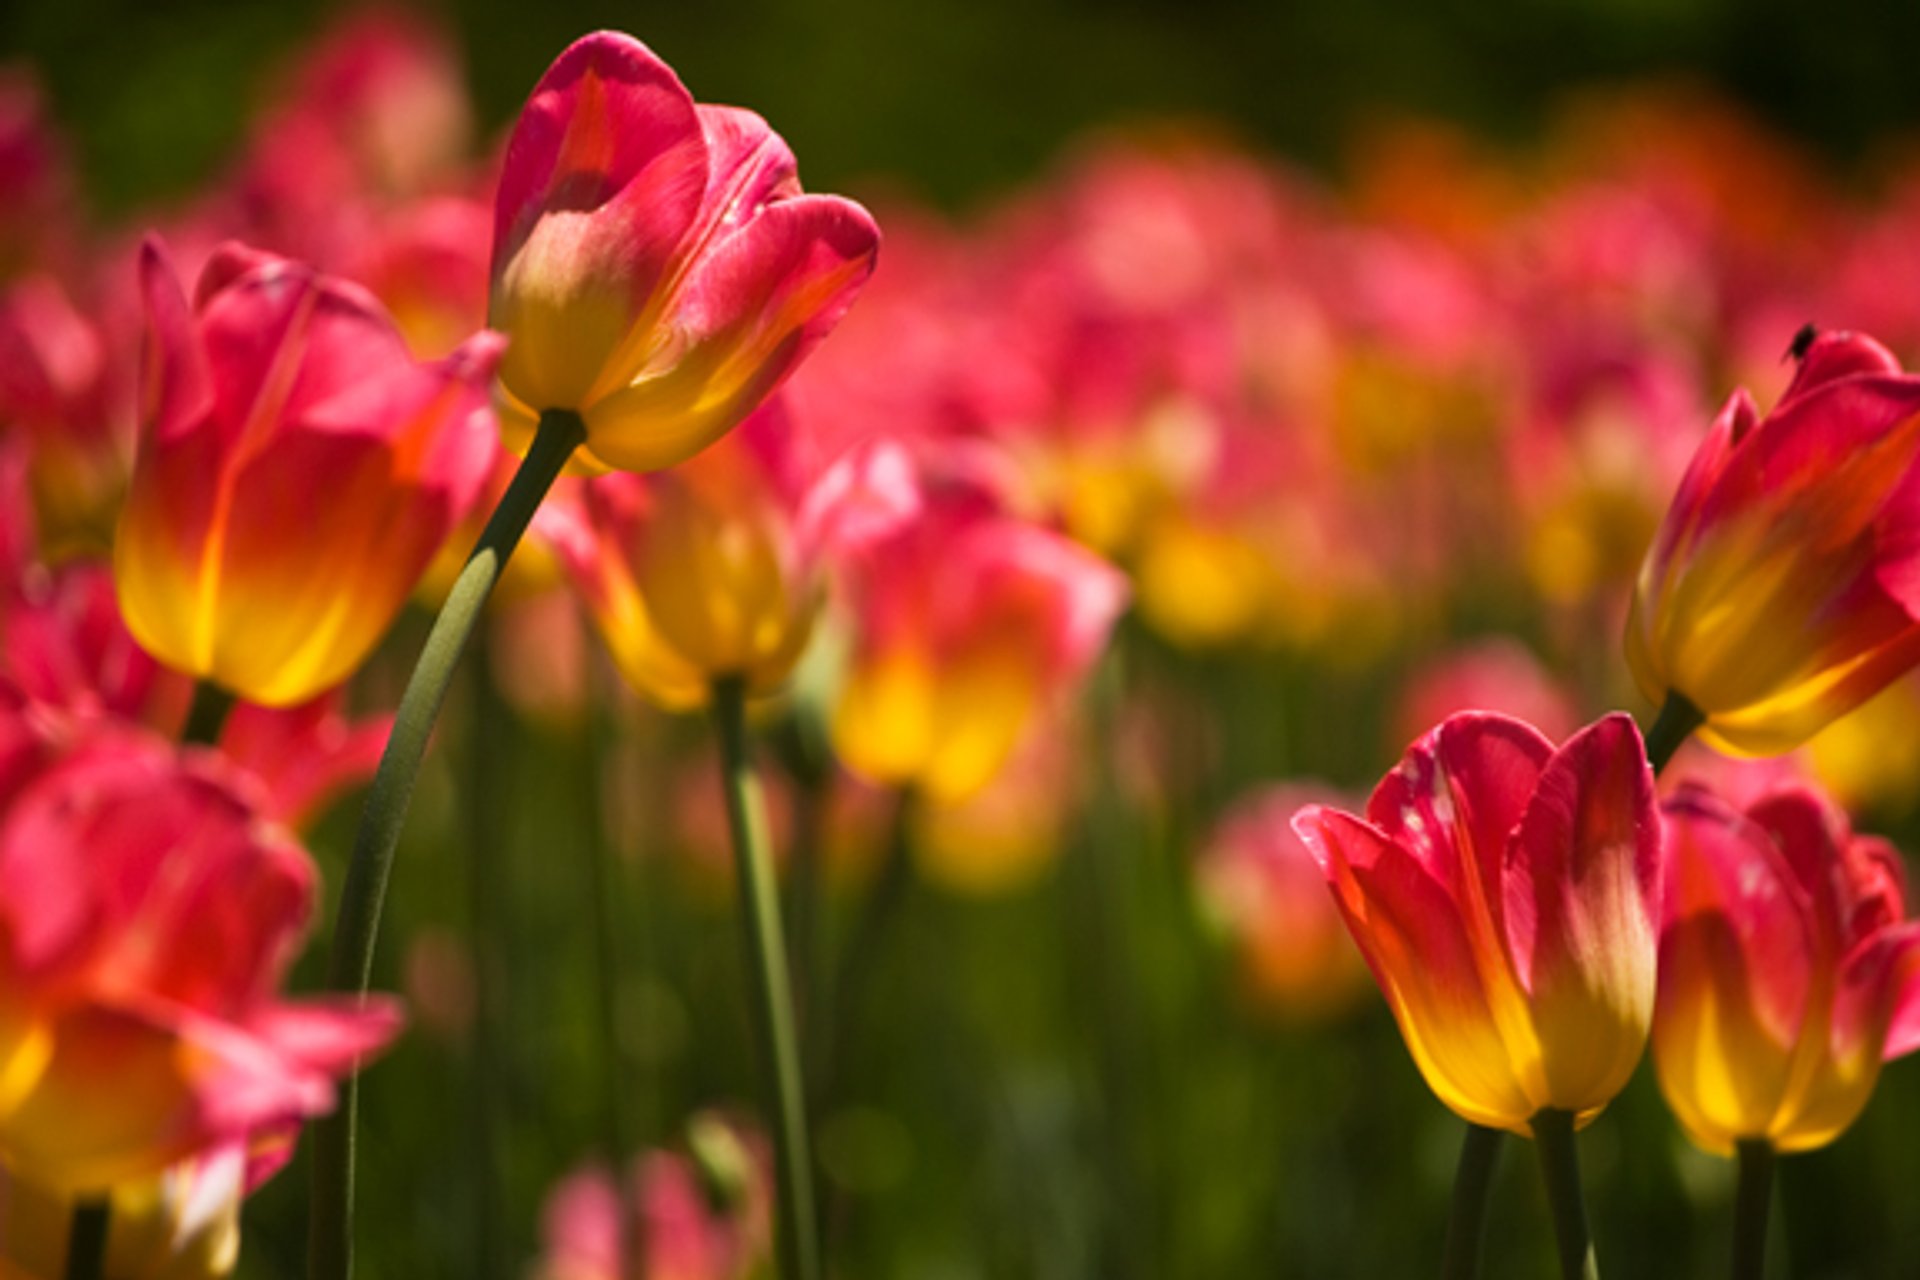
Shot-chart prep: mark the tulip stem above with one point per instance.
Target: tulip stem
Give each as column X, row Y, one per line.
column 1750, row 1209
column 795, row 1225
column 87, row 1239
column 1466, row 1224
column 1676, row 722
column 356, row 927
column 1560, row 1167
column 208, row 714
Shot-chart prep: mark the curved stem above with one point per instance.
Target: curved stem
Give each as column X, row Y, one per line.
column 350, row 963
column 1676, row 722
column 1466, row 1224
column 208, row 714
column 87, row 1239
column 1750, row 1209
column 1560, row 1167
column 795, row 1224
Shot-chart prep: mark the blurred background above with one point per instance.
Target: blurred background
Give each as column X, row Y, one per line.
column 1112, row 1055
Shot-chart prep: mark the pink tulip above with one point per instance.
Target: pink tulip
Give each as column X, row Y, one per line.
column 147, row 916
column 655, row 264
column 1783, row 587
column 297, row 472
column 1788, row 969
column 971, row 624
column 1507, row 896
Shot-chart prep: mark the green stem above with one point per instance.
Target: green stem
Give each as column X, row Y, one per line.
column 1560, row 1167
column 795, row 1223
column 1750, row 1208
column 208, row 714
column 484, row 807
column 1466, row 1225
column 350, row 962
column 87, row 1239
column 1676, row 722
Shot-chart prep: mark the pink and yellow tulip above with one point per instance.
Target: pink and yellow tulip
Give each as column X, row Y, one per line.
column 1782, row 590
column 149, row 913
column 953, row 668
column 1506, row 895
column 717, row 567
column 297, row 472
column 655, row 264
column 1788, row 969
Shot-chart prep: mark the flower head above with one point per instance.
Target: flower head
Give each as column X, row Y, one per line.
column 1788, row 969
column 297, row 472
column 655, row 263
column 1506, row 895
column 148, row 915
column 1783, row 587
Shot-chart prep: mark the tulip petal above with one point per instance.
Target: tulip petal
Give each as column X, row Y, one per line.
column 1582, row 908
column 746, row 313
column 1409, row 929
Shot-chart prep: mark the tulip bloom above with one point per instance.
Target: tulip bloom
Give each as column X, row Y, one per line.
column 147, row 914
column 1782, row 588
column 972, row 624
column 297, row 472
column 1506, row 895
column 717, row 567
column 655, row 264
column 1788, row 971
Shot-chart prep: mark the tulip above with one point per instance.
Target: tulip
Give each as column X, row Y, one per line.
column 1506, row 895
column 1260, row 882
column 716, row 567
column 297, row 472
column 1788, row 969
column 952, row 669
column 148, row 913
column 1780, row 591
column 655, row 264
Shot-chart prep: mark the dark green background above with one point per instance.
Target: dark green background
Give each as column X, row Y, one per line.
column 955, row 97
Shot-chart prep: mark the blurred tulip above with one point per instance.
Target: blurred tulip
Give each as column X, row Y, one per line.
column 149, row 912
column 1258, row 879
column 970, row 624
column 717, row 567
column 297, row 472
column 704, row 1218
column 1506, row 895
column 1495, row 673
column 1788, row 969
column 655, row 265
column 1782, row 588
column 182, row 1225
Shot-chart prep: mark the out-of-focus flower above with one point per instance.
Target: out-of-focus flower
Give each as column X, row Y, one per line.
column 149, row 914
column 297, row 472
column 970, row 624
column 1493, row 674
column 704, row 1217
column 63, row 644
column 1788, row 969
column 183, row 1225
column 1506, row 895
column 1781, row 589
column 655, row 263
column 1258, row 879
column 305, row 755
column 717, row 567
column 997, row 839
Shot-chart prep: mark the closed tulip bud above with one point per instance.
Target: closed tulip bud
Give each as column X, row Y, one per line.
column 1506, row 895
column 655, row 264
column 1788, row 969
column 297, row 472
column 1782, row 588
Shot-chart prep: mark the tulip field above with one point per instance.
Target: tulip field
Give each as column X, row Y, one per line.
column 577, row 706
